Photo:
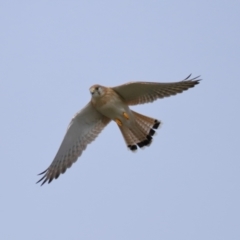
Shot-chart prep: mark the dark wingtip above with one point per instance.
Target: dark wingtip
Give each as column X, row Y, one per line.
column 188, row 77
column 50, row 180
column 195, row 79
column 43, row 172
column 50, row 175
column 43, row 178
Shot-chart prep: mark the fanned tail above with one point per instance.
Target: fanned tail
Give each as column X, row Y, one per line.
column 141, row 133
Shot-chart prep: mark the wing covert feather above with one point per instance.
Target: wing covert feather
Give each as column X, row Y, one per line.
column 144, row 92
column 82, row 130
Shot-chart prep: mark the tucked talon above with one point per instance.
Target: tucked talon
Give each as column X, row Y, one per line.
column 126, row 115
column 119, row 123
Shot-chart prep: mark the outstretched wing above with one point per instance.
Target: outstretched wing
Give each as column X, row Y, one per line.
column 82, row 130
column 143, row 92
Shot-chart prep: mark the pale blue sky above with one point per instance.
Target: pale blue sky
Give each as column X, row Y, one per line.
column 186, row 185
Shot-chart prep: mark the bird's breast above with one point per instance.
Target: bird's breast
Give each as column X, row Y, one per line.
column 112, row 106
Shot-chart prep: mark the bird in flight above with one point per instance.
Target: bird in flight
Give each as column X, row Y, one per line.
column 109, row 104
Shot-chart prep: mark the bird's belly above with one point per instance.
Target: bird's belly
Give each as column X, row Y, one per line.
column 115, row 110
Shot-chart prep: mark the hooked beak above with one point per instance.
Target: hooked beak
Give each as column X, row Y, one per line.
column 92, row 90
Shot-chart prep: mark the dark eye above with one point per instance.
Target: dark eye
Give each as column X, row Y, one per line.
column 97, row 88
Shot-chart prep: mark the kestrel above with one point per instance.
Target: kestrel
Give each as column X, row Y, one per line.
column 109, row 104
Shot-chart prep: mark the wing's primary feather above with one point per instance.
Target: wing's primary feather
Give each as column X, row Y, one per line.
column 82, row 130
column 134, row 93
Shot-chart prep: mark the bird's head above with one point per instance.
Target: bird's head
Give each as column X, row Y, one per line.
column 97, row 91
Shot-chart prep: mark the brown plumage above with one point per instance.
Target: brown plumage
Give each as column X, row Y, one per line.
column 141, row 133
column 113, row 104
